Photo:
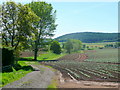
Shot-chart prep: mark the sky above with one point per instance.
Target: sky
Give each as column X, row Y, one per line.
column 78, row 16
column 86, row 17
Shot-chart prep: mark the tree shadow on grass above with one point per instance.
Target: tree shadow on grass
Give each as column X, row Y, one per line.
column 17, row 67
column 28, row 59
column 25, row 68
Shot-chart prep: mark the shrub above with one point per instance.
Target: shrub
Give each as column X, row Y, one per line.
column 55, row 47
column 17, row 67
column 100, row 47
column 90, row 48
column 7, row 56
column 7, row 69
column 82, row 48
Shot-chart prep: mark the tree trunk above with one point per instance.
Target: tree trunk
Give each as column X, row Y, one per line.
column 69, row 52
column 35, row 54
column 36, row 44
column 12, row 42
column 17, row 44
column 6, row 42
column 35, row 51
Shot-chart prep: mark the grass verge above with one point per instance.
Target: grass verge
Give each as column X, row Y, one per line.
column 54, row 82
column 52, row 86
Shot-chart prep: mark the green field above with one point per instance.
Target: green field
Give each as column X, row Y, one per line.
column 47, row 56
column 94, row 45
column 103, row 55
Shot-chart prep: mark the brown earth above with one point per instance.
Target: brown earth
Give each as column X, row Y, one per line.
column 29, row 53
column 73, row 83
column 67, row 82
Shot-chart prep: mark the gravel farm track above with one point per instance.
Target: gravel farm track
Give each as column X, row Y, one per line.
column 40, row 78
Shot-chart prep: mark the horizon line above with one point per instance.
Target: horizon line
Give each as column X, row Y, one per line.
column 84, row 32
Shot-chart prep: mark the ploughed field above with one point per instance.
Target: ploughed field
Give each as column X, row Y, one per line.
column 100, row 65
column 103, row 55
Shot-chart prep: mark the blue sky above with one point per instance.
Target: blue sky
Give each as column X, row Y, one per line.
column 85, row 16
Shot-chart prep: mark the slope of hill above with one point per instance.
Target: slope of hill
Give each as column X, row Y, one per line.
column 90, row 37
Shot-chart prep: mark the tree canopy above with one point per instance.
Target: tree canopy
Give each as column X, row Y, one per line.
column 26, row 25
column 73, row 45
column 90, row 37
column 45, row 26
column 17, row 24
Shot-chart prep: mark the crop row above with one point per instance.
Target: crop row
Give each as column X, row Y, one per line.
column 103, row 55
column 87, row 71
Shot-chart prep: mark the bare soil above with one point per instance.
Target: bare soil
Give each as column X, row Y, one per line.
column 29, row 53
column 73, row 83
column 66, row 82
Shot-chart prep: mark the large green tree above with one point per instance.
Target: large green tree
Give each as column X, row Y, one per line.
column 45, row 26
column 17, row 24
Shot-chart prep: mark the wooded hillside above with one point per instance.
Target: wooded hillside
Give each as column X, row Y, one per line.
column 90, row 37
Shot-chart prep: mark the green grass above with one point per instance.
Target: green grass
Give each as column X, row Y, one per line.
column 104, row 43
column 50, row 56
column 8, row 77
column 47, row 56
column 0, row 79
column 12, row 76
column 80, row 51
column 94, row 45
column 33, row 63
column 53, row 85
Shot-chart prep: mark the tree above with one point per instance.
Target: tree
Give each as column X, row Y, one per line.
column 77, row 44
column 84, row 46
column 69, row 46
column 45, row 26
column 55, row 47
column 17, row 24
column 117, row 44
column 73, row 45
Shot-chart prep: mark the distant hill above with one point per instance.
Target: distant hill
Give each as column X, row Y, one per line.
column 90, row 37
